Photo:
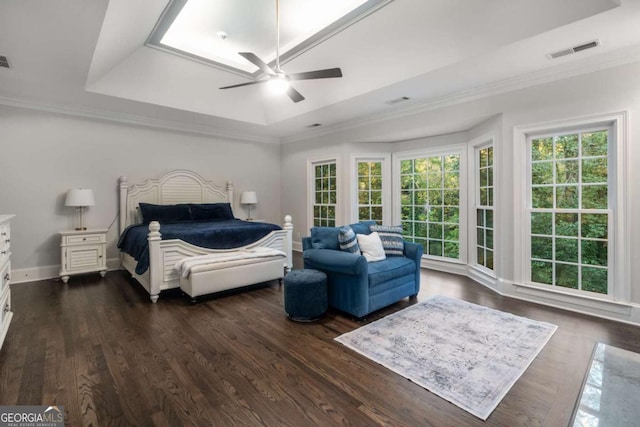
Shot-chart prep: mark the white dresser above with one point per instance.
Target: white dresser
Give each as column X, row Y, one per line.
column 82, row 252
column 5, row 275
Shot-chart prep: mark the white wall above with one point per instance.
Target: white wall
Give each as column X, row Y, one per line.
column 42, row 155
column 611, row 90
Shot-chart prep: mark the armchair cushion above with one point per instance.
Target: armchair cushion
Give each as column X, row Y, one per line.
column 325, row 238
column 347, row 240
column 371, row 247
column 391, row 236
column 389, row 269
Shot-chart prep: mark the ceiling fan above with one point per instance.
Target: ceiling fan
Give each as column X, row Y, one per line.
column 277, row 79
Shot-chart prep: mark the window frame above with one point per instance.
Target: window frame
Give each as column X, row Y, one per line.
column 618, row 254
column 385, row 159
column 475, row 145
column 311, row 164
column 454, row 149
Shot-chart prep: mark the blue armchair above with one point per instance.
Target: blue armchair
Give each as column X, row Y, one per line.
column 356, row 286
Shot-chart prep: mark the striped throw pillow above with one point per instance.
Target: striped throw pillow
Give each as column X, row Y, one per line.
column 391, row 236
column 347, row 240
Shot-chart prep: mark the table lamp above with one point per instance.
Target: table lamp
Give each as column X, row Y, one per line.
column 80, row 198
column 249, row 198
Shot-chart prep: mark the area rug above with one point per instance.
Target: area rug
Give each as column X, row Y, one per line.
column 465, row 353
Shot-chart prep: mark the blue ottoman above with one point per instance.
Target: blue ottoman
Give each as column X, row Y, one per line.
column 305, row 295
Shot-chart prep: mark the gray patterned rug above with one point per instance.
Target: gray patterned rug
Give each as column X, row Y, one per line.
column 465, row 353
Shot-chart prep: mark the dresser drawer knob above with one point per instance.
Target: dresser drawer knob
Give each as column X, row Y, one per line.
column 7, row 241
column 7, row 277
column 6, row 308
column 4, row 233
column 3, row 252
column 84, row 238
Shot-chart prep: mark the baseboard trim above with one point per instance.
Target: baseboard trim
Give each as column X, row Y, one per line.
column 34, row 274
column 625, row 312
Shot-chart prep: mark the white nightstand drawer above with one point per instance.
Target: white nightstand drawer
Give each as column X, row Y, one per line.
column 5, row 305
column 5, row 253
column 84, row 238
column 5, row 277
column 5, row 232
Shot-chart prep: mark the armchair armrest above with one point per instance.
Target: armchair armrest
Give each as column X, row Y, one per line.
column 413, row 251
column 335, row 261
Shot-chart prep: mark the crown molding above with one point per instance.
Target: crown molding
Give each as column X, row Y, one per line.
column 137, row 120
column 547, row 75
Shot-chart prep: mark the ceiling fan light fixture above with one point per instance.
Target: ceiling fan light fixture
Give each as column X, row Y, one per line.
column 278, row 80
column 278, row 85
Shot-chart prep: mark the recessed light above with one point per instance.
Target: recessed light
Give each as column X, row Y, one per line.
column 315, row 125
column 222, row 35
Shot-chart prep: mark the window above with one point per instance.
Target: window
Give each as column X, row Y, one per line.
column 324, row 197
column 570, row 209
column 369, row 181
column 484, row 207
column 371, row 187
column 430, row 203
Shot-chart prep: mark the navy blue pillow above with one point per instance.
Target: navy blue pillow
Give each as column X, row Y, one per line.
column 164, row 213
column 211, row 211
column 363, row 227
column 324, row 238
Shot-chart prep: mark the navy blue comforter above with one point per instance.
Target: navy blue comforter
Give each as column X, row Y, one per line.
column 219, row 234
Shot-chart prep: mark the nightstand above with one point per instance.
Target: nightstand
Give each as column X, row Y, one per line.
column 83, row 251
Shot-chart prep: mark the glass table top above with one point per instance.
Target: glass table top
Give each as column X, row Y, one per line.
column 611, row 390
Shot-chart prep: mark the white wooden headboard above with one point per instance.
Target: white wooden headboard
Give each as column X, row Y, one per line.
column 176, row 186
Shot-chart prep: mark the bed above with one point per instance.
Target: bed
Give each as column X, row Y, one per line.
column 183, row 187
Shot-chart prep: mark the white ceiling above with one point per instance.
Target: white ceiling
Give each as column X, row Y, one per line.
column 195, row 27
column 89, row 58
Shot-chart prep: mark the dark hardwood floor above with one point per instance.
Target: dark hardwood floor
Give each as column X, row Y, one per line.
column 99, row 348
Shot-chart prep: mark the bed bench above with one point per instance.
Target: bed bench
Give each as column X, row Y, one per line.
column 222, row 271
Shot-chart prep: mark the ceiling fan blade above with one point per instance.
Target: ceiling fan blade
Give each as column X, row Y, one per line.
column 318, row 74
column 253, row 58
column 294, row 95
column 255, row 82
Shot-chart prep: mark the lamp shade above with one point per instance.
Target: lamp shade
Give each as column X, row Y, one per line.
column 80, row 197
column 249, row 198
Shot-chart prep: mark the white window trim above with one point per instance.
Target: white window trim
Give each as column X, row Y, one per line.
column 385, row 158
column 619, row 268
column 311, row 163
column 484, row 141
column 461, row 150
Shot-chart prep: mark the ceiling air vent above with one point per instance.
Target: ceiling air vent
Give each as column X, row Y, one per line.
column 4, row 62
column 574, row 49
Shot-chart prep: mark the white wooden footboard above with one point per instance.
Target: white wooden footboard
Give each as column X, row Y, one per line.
column 163, row 254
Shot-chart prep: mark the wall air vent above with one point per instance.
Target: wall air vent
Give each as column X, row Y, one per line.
column 397, row 100
column 574, row 49
column 4, row 62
